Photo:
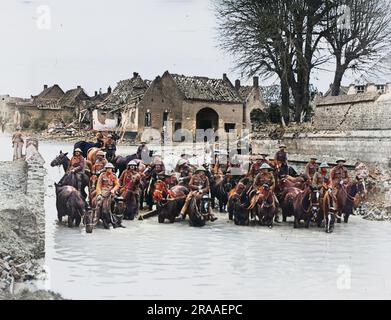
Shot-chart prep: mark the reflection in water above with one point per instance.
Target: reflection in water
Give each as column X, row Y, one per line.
column 220, row 261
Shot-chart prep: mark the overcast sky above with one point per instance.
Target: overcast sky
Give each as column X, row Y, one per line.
column 96, row 43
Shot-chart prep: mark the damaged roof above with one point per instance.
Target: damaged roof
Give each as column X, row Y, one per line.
column 206, row 89
column 73, row 97
column 127, row 91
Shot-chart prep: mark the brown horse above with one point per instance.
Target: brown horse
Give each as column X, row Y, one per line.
column 264, row 206
column 63, row 160
column 237, row 205
column 328, row 211
column 346, row 197
column 306, row 205
column 287, row 200
column 169, row 202
column 91, row 155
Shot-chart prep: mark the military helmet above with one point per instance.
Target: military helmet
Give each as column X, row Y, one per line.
column 341, row 160
column 100, row 153
column 265, row 166
column 324, row 165
column 282, row 146
column 109, row 166
column 200, row 169
column 181, row 162
column 132, row 163
column 18, row 128
column 77, row 150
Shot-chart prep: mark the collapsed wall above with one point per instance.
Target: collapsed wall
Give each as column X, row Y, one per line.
column 22, row 216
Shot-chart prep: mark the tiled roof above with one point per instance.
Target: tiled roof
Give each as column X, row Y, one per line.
column 73, row 96
column 206, row 89
column 127, row 91
column 52, row 93
column 244, row 91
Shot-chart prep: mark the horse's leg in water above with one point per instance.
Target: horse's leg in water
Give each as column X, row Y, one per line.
column 142, row 196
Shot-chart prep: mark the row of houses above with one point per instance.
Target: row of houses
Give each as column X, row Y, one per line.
column 169, row 102
column 172, row 101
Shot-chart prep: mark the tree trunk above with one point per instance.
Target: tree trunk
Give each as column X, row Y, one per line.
column 285, row 101
column 339, row 73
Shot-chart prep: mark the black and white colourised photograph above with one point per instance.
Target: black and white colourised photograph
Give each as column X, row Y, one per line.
column 200, row 153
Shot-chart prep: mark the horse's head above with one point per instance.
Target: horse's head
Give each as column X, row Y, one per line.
column 361, row 187
column 119, row 205
column 110, row 152
column 60, row 160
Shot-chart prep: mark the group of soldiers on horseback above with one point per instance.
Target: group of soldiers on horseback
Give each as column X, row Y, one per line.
column 191, row 191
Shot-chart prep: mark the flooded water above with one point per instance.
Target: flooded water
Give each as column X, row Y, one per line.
column 219, row 261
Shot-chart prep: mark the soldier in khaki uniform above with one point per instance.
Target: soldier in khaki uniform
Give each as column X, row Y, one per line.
column 321, row 179
column 311, row 168
column 97, row 169
column 17, row 143
column 281, row 158
column 264, row 177
column 256, row 167
column 199, row 185
column 130, row 179
column 339, row 174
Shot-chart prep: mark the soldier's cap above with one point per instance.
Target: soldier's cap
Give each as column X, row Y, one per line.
column 314, row 158
column 200, row 169
column 18, row 128
column 341, row 160
column 109, row 135
column 324, row 165
column 109, row 165
column 143, row 142
column 101, row 153
column 77, row 150
column 265, row 166
column 283, row 146
column 263, row 154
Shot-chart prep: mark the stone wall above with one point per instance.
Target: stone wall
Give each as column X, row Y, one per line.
column 22, row 192
column 369, row 111
column 362, row 145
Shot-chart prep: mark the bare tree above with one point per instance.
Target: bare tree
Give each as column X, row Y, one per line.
column 358, row 31
column 276, row 37
column 255, row 40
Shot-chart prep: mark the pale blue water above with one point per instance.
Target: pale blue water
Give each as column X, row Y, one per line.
column 219, row 261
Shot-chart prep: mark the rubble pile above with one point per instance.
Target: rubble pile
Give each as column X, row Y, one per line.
column 378, row 198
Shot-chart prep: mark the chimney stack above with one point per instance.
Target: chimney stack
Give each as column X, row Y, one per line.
column 237, row 84
column 256, row 82
column 109, row 90
column 135, row 74
column 45, row 86
column 79, row 87
column 225, row 78
column 96, row 93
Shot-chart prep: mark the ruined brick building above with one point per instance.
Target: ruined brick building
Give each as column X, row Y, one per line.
column 119, row 110
column 192, row 102
column 50, row 105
